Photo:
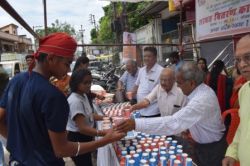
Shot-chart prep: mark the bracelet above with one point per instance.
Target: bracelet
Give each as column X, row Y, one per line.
column 78, row 148
column 97, row 133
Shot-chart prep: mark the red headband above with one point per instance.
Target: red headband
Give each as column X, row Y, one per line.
column 60, row 44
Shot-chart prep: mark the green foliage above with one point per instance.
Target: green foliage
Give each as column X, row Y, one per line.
column 105, row 33
column 94, row 36
column 58, row 26
column 135, row 21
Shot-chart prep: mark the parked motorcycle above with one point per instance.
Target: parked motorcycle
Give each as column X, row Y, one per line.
column 107, row 80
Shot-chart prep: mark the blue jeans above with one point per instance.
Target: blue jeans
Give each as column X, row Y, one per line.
column 1, row 154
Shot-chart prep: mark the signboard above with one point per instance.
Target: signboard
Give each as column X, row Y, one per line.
column 129, row 52
column 12, row 57
column 217, row 18
column 133, row 1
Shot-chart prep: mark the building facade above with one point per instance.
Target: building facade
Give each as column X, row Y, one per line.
column 10, row 41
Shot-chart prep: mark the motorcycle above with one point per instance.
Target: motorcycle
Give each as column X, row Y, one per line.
column 107, row 80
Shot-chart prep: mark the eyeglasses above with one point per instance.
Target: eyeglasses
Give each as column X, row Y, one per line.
column 245, row 58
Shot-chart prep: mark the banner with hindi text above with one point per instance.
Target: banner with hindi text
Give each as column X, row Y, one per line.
column 218, row 18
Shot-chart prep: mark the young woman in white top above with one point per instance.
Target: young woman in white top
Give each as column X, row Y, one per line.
column 81, row 118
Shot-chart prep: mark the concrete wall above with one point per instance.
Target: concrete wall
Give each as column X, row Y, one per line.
column 150, row 33
column 14, row 43
column 11, row 29
column 144, row 34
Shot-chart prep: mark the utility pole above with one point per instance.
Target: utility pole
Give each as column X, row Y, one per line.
column 39, row 26
column 116, row 22
column 45, row 17
column 82, row 34
column 181, row 32
column 82, row 38
column 124, row 17
column 92, row 20
column 36, row 39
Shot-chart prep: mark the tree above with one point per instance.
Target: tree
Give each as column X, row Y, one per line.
column 58, row 26
column 135, row 20
column 104, row 34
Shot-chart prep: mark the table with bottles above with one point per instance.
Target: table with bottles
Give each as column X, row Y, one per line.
column 140, row 149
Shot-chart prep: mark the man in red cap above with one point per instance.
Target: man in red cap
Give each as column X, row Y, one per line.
column 34, row 113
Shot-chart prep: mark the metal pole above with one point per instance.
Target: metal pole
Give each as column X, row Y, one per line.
column 94, row 22
column 124, row 17
column 45, row 17
column 115, row 19
column 120, row 44
column 82, row 35
column 181, row 32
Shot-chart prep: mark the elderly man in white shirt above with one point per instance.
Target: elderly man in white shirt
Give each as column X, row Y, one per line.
column 129, row 77
column 201, row 115
column 148, row 78
column 169, row 97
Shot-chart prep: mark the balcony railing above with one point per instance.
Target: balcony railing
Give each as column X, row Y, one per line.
column 15, row 38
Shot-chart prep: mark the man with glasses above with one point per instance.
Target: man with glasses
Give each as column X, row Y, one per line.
column 169, row 97
column 201, row 115
column 238, row 150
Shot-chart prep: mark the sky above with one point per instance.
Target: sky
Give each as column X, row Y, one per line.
column 74, row 12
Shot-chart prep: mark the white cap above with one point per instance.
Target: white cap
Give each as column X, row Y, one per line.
column 163, row 158
column 152, row 160
column 131, row 161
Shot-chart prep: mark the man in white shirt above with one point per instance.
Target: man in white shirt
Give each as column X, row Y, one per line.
column 169, row 97
column 148, row 78
column 201, row 115
column 129, row 77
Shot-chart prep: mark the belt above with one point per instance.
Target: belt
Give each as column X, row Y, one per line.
column 212, row 143
column 151, row 116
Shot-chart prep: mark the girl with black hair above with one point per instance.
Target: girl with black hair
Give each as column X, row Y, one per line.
column 81, row 119
column 81, row 63
column 202, row 64
column 219, row 81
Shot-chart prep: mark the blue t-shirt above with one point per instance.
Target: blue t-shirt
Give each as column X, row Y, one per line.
column 33, row 106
